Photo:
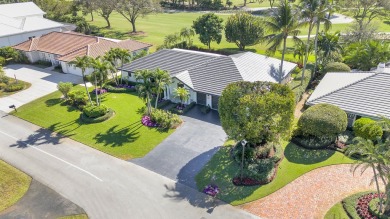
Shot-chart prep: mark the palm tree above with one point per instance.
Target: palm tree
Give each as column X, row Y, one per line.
column 310, row 13
column 83, row 63
column 321, row 17
column 161, row 79
column 145, row 90
column 102, row 68
column 282, row 23
column 328, row 45
column 187, row 33
column 370, row 156
column 121, row 55
column 300, row 51
column 182, row 94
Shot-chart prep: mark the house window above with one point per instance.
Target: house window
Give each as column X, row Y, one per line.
column 180, row 85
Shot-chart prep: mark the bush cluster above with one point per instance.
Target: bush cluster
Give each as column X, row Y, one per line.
column 14, row 87
column 205, row 109
column 312, row 142
column 322, row 120
column 93, row 111
column 65, row 88
column 87, row 119
column 78, row 98
column 2, row 85
column 367, row 128
column 123, row 89
column 336, row 67
column 349, row 204
column 165, row 119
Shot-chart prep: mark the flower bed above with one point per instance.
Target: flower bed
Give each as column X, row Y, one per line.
column 99, row 91
column 120, row 88
column 110, row 113
column 146, row 121
column 211, row 190
column 362, row 206
column 182, row 108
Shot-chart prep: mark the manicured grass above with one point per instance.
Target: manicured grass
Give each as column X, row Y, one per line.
column 297, row 162
column 12, row 80
column 122, row 136
column 78, row 216
column 13, row 185
column 336, row 212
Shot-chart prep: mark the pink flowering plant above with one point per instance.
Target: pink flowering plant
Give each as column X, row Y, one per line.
column 147, row 121
column 99, row 91
column 211, row 190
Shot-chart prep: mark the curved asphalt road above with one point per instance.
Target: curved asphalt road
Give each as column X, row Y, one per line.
column 104, row 186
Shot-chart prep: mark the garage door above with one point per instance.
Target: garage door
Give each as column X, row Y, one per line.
column 214, row 102
column 201, row 98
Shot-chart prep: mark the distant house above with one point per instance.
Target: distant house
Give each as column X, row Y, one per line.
column 359, row 94
column 20, row 21
column 205, row 75
column 60, row 48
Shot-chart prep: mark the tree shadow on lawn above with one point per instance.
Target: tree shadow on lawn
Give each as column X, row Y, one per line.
column 115, row 137
column 299, row 155
column 53, row 102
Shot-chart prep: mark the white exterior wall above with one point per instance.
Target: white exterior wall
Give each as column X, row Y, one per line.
column 170, row 92
column 71, row 69
column 19, row 38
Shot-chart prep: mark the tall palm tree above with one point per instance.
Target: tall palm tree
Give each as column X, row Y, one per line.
column 187, row 33
column 83, row 63
column 161, row 79
column 300, row 51
column 101, row 68
column 323, row 9
column 328, row 45
column 182, row 94
column 282, row 23
column 145, row 89
column 309, row 12
column 370, row 156
column 115, row 55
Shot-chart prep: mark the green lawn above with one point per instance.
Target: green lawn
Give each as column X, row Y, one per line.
column 336, row 212
column 297, row 161
column 122, row 136
column 13, row 185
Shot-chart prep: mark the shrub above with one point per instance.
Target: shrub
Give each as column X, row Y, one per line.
column 4, row 79
column 2, row 61
column 312, row 142
column 122, row 89
column 87, row 119
column 349, row 204
column 367, row 128
column 65, row 88
column 162, row 103
column 92, row 111
column 346, row 137
column 336, row 67
column 178, row 110
column 323, row 120
column 2, row 85
column 205, row 109
column 78, row 98
column 14, row 87
column 165, row 119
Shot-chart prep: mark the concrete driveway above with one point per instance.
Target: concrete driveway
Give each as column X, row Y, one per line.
column 42, row 81
column 184, row 153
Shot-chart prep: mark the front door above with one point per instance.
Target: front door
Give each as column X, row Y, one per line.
column 214, row 102
column 208, row 103
column 201, row 98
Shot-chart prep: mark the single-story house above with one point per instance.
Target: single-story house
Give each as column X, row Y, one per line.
column 205, row 75
column 60, row 48
column 21, row 21
column 359, row 94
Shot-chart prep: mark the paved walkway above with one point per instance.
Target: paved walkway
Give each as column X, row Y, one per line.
column 104, row 186
column 184, row 153
column 41, row 202
column 42, row 81
column 313, row 194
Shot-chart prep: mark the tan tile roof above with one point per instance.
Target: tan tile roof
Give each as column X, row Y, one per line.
column 70, row 45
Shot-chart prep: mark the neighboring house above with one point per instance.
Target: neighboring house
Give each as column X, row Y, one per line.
column 60, row 48
column 205, row 75
column 359, row 94
column 20, row 21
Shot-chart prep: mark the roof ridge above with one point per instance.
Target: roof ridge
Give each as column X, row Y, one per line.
column 343, row 87
column 73, row 51
column 135, row 41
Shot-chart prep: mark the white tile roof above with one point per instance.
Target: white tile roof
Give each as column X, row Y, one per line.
column 23, row 9
column 366, row 93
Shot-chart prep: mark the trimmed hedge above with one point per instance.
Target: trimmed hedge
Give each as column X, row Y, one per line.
column 185, row 110
column 312, row 142
column 14, row 87
column 162, row 103
column 336, row 67
column 367, row 128
column 113, row 89
column 95, row 111
column 349, row 204
column 110, row 113
column 323, row 120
